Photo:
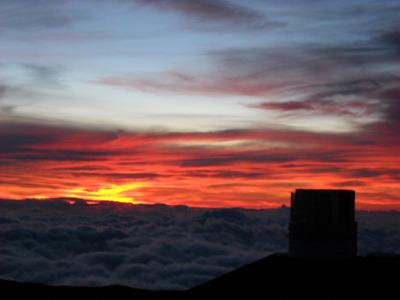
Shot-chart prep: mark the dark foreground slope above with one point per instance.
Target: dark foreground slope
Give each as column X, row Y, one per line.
column 279, row 277
column 274, row 277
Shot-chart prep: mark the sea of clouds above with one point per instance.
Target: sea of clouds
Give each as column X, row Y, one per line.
column 151, row 246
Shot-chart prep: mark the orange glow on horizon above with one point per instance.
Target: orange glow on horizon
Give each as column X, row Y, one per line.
column 177, row 169
column 117, row 193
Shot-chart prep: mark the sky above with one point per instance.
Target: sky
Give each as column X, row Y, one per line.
column 200, row 103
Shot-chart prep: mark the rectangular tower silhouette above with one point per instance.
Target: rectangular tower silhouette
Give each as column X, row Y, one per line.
column 322, row 224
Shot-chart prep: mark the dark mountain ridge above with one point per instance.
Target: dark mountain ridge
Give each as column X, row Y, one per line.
column 275, row 277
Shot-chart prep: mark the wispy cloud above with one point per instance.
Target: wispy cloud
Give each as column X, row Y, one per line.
column 44, row 75
column 318, row 71
column 206, row 84
column 213, row 14
column 323, row 107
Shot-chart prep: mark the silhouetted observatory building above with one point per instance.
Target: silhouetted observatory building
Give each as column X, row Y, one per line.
column 322, row 224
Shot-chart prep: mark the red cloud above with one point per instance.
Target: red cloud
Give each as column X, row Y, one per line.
column 317, row 106
column 290, row 105
column 179, row 168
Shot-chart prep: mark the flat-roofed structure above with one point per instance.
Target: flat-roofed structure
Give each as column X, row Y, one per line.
column 322, row 224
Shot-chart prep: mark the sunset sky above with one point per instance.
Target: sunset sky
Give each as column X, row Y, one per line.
column 202, row 103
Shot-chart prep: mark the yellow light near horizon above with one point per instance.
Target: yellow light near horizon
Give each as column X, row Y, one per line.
column 111, row 193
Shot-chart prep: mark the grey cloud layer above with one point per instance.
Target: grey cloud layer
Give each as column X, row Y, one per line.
column 152, row 247
column 155, row 247
column 42, row 14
